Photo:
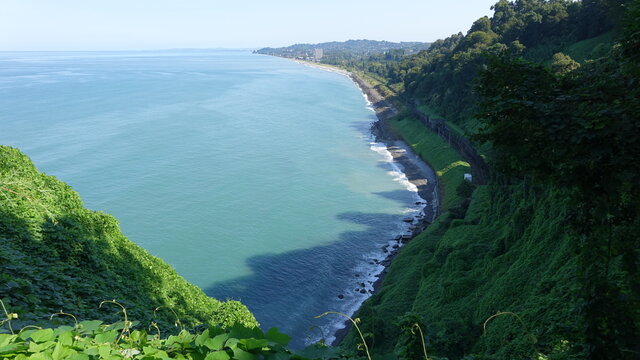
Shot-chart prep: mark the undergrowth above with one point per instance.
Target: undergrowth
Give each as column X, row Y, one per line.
column 55, row 254
column 93, row 339
column 447, row 163
column 508, row 254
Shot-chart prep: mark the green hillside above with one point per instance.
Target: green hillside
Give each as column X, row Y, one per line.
column 544, row 262
column 509, row 253
column 56, row 255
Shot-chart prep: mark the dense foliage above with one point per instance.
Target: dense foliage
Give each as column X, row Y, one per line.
column 124, row 340
column 542, row 263
column 55, row 254
column 508, row 252
column 550, row 246
column 578, row 131
column 442, row 76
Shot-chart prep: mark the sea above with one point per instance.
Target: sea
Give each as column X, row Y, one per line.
column 255, row 177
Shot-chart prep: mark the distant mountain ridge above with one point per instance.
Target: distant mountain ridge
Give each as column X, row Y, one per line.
column 343, row 49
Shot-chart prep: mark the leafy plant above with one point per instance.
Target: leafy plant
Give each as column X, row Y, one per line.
column 93, row 339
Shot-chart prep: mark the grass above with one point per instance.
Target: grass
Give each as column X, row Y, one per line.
column 591, row 48
column 509, row 254
column 447, row 163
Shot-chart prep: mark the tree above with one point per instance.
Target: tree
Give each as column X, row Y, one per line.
column 579, row 132
column 563, row 64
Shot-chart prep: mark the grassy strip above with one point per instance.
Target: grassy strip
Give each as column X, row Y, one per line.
column 592, row 48
column 448, row 164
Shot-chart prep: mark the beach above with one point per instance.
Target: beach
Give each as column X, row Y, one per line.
column 416, row 171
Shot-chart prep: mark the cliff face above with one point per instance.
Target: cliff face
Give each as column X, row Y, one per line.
column 55, row 254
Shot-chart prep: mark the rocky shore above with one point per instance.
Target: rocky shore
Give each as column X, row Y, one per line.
column 417, row 171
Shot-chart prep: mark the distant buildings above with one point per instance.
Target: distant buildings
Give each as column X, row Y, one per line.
column 317, row 54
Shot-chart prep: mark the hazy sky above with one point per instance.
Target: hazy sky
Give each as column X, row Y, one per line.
column 163, row 24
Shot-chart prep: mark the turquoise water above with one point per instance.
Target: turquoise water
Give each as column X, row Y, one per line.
column 255, row 177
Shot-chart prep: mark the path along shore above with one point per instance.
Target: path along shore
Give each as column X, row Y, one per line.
column 417, row 171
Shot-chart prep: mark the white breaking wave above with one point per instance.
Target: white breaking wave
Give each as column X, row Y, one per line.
column 368, row 269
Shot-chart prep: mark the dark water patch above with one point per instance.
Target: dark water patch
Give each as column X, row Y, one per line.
column 287, row 290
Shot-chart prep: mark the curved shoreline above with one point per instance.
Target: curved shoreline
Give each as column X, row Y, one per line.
column 416, row 170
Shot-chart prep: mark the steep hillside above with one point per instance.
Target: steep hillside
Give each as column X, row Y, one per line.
column 510, row 253
column 544, row 262
column 55, row 254
column 442, row 76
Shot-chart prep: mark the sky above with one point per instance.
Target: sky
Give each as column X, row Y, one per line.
column 31, row 25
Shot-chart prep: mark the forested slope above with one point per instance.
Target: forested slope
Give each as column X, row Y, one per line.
column 56, row 255
column 443, row 75
column 550, row 245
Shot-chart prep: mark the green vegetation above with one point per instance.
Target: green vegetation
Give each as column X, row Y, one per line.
column 56, row 254
column 442, row 76
column 508, row 253
column 448, row 164
column 432, row 114
column 541, row 263
column 544, row 262
column 592, row 48
column 339, row 53
column 576, row 131
column 123, row 340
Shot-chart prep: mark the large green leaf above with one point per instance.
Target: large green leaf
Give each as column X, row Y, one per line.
column 87, row 327
column 217, row 355
column 242, row 332
column 104, row 350
column 253, row 344
column 5, row 339
column 78, row 357
column 240, row 354
column 62, row 352
column 106, row 337
column 42, row 335
column 215, row 330
column 11, row 348
column 26, row 334
column 217, row 342
column 62, row 329
column 40, row 356
column 277, row 337
column 65, row 338
column 38, row 347
column 200, row 339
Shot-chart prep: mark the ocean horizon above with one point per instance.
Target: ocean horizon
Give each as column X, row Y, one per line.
column 255, row 177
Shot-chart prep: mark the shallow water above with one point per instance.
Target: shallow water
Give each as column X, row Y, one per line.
column 253, row 176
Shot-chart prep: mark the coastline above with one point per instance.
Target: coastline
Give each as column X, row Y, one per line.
column 416, row 171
